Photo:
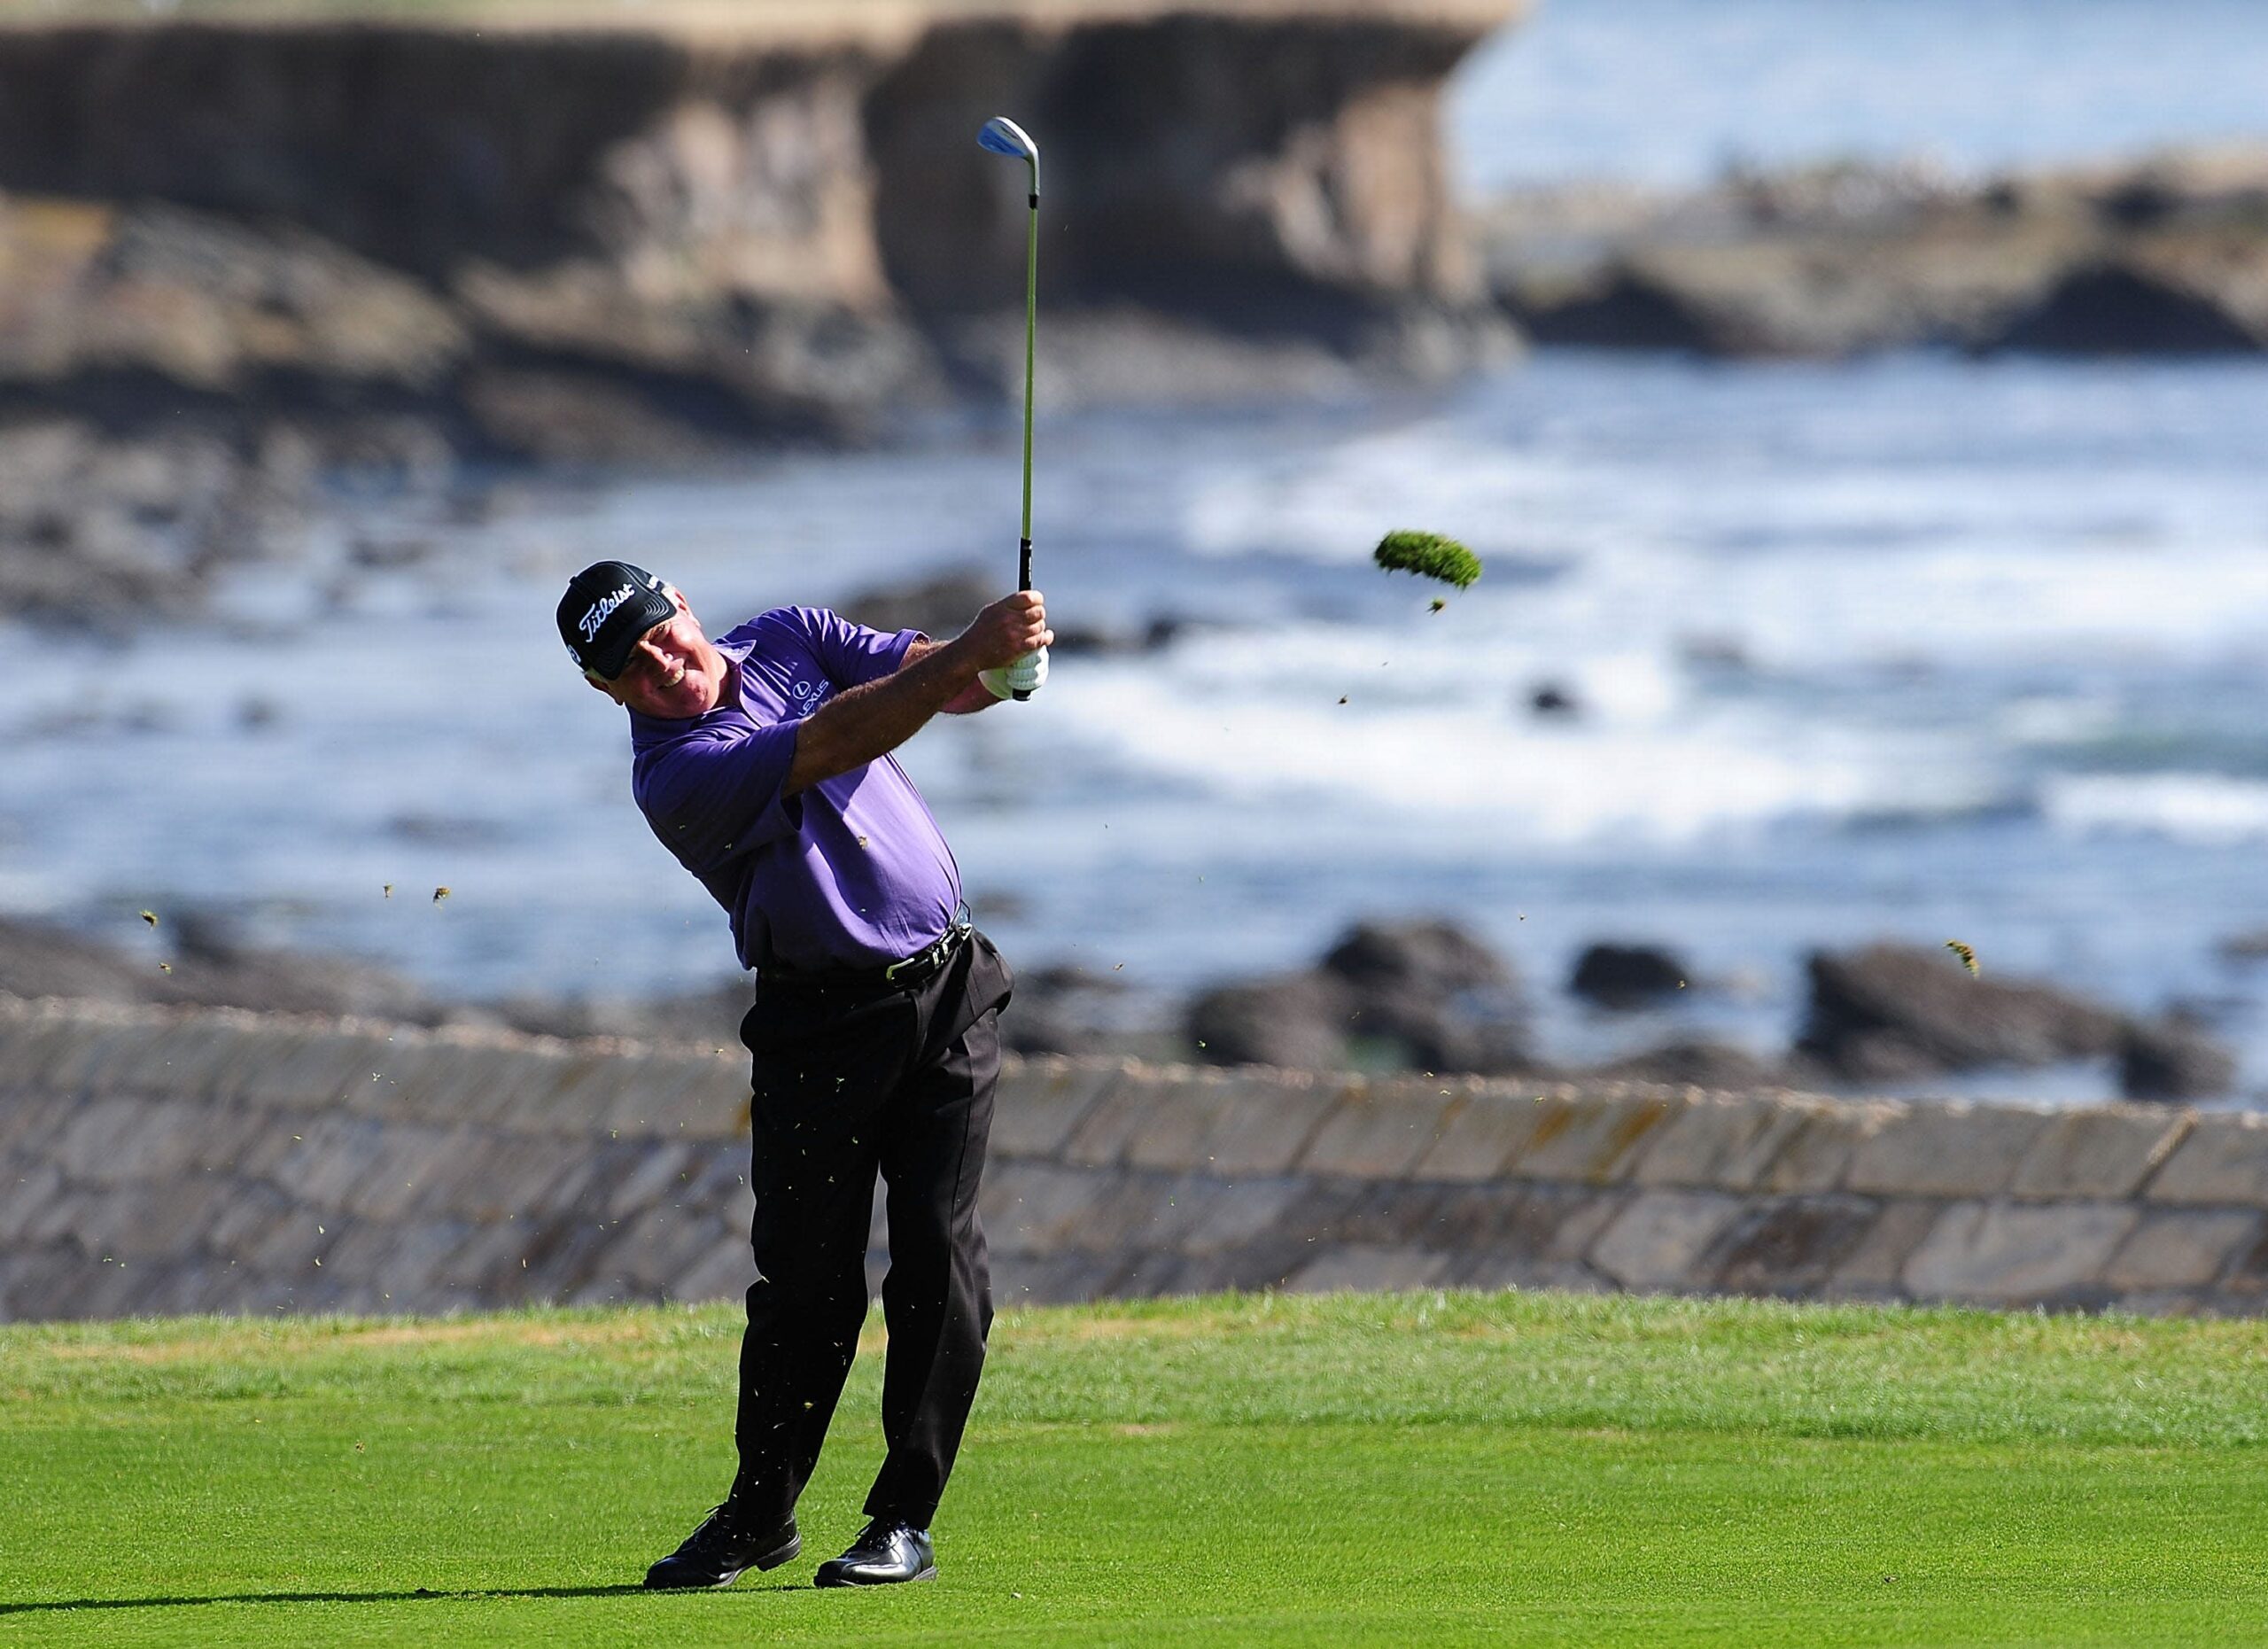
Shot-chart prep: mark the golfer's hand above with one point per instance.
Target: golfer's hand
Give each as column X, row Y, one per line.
column 1006, row 631
column 1026, row 676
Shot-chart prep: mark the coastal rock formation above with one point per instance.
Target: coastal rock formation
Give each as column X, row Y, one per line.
column 1891, row 1011
column 1410, row 995
column 2174, row 1059
column 2167, row 255
column 591, row 235
column 1621, row 977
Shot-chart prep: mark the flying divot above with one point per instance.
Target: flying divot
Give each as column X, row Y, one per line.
column 1429, row 556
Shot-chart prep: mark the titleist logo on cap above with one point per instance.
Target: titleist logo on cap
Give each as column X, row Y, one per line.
column 600, row 611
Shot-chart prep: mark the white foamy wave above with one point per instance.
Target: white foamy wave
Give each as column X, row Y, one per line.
column 1641, row 768
column 2207, row 808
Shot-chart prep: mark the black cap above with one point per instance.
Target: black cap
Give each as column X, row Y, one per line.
column 608, row 606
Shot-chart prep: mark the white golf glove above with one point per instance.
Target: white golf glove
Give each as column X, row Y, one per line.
column 1028, row 675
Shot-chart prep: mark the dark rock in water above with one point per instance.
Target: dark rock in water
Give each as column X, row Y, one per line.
column 1293, row 1020
column 210, row 969
column 2245, row 947
column 1429, row 995
column 1892, row 1012
column 1429, row 955
column 939, row 604
column 1701, row 1064
column 2173, row 1058
column 1549, row 698
column 1629, row 309
column 2127, row 308
column 1623, row 976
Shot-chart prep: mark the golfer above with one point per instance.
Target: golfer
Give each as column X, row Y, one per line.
column 761, row 760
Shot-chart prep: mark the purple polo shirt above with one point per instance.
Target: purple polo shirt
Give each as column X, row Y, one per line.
column 849, row 873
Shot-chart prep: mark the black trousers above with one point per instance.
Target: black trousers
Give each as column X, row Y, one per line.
column 848, row 1080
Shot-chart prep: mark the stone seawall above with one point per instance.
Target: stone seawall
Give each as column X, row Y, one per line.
column 155, row 1161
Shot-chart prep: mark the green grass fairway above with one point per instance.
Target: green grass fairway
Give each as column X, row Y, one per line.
column 1409, row 1470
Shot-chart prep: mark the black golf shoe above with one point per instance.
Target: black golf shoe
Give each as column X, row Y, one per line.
column 720, row 1551
column 891, row 1551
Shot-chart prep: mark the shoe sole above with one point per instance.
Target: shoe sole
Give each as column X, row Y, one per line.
column 786, row 1551
column 844, row 1579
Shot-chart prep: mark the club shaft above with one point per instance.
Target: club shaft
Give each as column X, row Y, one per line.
column 1031, row 327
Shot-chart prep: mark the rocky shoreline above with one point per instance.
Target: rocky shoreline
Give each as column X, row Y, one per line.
column 2163, row 255
column 1418, row 995
column 239, row 255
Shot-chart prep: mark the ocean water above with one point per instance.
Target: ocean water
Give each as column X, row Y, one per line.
column 1670, row 92
column 1922, row 648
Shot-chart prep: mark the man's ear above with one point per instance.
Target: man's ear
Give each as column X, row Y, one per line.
column 607, row 688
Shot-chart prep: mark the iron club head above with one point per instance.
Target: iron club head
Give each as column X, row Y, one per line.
column 1003, row 136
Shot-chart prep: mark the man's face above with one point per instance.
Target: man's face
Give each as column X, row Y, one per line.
column 673, row 673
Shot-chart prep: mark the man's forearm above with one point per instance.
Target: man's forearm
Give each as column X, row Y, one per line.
column 855, row 726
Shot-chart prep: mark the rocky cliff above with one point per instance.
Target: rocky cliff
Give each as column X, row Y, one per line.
column 241, row 244
column 552, row 232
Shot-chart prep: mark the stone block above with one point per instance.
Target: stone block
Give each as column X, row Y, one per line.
column 2100, row 1154
column 581, row 1086
column 248, row 1216
column 2000, row 1252
column 227, row 1135
column 661, row 1176
column 1365, row 1268
column 2223, row 1159
column 506, row 1173
column 30, row 1124
column 1035, row 1208
column 563, row 1254
column 61, row 1055
column 1493, row 1125
column 1544, row 1223
column 400, row 1260
column 1381, row 1130
column 1336, row 1209
column 1592, row 1139
column 723, row 1270
column 169, row 1217
column 1873, row 1268
column 656, row 1249
column 668, row 1094
column 393, row 1088
column 1039, row 1102
column 308, row 1070
column 2181, row 1248
column 1792, row 1246
column 1716, row 1143
column 289, row 1246
column 139, row 1059
column 328, row 1157
column 29, row 1189
column 406, row 1156
column 1659, row 1237
column 1233, row 1123
column 1814, row 1154
column 1945, row 1151
column 116, row 1141
column 1234, row 1218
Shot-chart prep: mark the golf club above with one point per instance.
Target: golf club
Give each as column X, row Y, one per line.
column 1003, row 136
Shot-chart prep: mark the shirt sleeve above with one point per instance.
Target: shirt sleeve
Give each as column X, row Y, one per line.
column 715, row 794
column 851, row 654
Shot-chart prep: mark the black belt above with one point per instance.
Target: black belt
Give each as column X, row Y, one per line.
column 907, row 974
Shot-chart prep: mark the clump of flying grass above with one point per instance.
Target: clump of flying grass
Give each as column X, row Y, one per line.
column 1429, row 556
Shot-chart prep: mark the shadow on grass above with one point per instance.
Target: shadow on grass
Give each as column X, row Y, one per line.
column 421, row 1595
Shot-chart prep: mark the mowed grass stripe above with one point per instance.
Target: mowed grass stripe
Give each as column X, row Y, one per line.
column 1275, row 1470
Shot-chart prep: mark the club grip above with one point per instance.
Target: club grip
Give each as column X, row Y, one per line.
column 1023, row 582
